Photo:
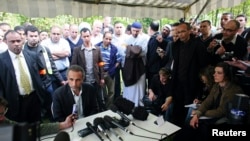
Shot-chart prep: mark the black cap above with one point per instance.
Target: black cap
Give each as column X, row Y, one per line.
column 154, row 26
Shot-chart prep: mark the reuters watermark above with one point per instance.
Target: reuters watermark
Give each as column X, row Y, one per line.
column 239, row 132
column 227, row 133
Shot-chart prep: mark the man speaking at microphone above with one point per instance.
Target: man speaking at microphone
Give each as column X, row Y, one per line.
column 75, row 92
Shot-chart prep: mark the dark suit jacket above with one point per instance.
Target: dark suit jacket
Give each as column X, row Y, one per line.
column 63, row 101
column 8, row 84
column 78, row 58
column 38, row 52
column 239, row 49
column 195, row 59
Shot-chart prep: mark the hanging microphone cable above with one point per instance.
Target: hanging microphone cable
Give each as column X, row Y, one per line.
column 137, row 112
column 146, row 137
column 163, row 134
column 113, row 122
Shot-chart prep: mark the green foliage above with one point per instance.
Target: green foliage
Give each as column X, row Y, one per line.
column 12, row 19
column 214, row 15
column 44, row 23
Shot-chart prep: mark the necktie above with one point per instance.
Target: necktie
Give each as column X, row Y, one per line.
column 24, row 79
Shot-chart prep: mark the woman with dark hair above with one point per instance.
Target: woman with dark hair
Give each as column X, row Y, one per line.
column 214, row 106
column 206, row 76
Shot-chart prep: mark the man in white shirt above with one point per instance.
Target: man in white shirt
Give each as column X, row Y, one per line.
column 60, row 51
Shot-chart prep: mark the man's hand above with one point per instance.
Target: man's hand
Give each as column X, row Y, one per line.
column 221, row 50
column 64, row 82
column 102, row 82
column 69, row 121
column 164, row 107
column 212, row 44
column 151, row 95
column 237, row 63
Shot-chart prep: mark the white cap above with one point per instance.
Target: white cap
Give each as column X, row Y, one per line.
column 167, row 26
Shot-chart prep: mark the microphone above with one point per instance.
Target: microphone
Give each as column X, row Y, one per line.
column 99, row 123
column 115, row 109
column 90, row 126
column 110, row 127
column 62, row 136
column 84, row 132
column 112, row 121
column 139, row 113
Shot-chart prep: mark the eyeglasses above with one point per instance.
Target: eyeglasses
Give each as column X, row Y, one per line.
column 3, row 113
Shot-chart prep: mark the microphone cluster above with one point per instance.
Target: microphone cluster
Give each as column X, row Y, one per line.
column 103, row 126
column 122, row 105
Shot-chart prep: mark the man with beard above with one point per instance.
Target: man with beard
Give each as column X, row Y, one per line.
column 134, row 76
column 32, row 47
column 229, row 45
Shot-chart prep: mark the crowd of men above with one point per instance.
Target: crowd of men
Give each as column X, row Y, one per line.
column 45, row 74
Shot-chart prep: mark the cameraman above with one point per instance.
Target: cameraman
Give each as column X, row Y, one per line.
column 228, row 44
column 158, row 94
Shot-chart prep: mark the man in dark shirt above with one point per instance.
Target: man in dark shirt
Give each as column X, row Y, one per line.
column 230, row 44
column 75, row 92
column 158, row 93
column 189, row 57
column 44, row 55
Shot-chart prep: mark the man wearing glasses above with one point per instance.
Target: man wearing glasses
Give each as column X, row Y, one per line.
column 230, row 45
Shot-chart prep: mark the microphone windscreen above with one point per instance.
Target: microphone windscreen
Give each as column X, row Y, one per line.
column 124, row 105
column 108, row 125
column 140, row 113
column 98, row 121
column 108, row 119
column 62, row 136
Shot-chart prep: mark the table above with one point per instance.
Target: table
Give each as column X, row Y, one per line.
column 167, row 128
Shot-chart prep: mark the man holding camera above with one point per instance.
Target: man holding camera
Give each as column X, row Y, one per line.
column 229, row 45
column 155, row 52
